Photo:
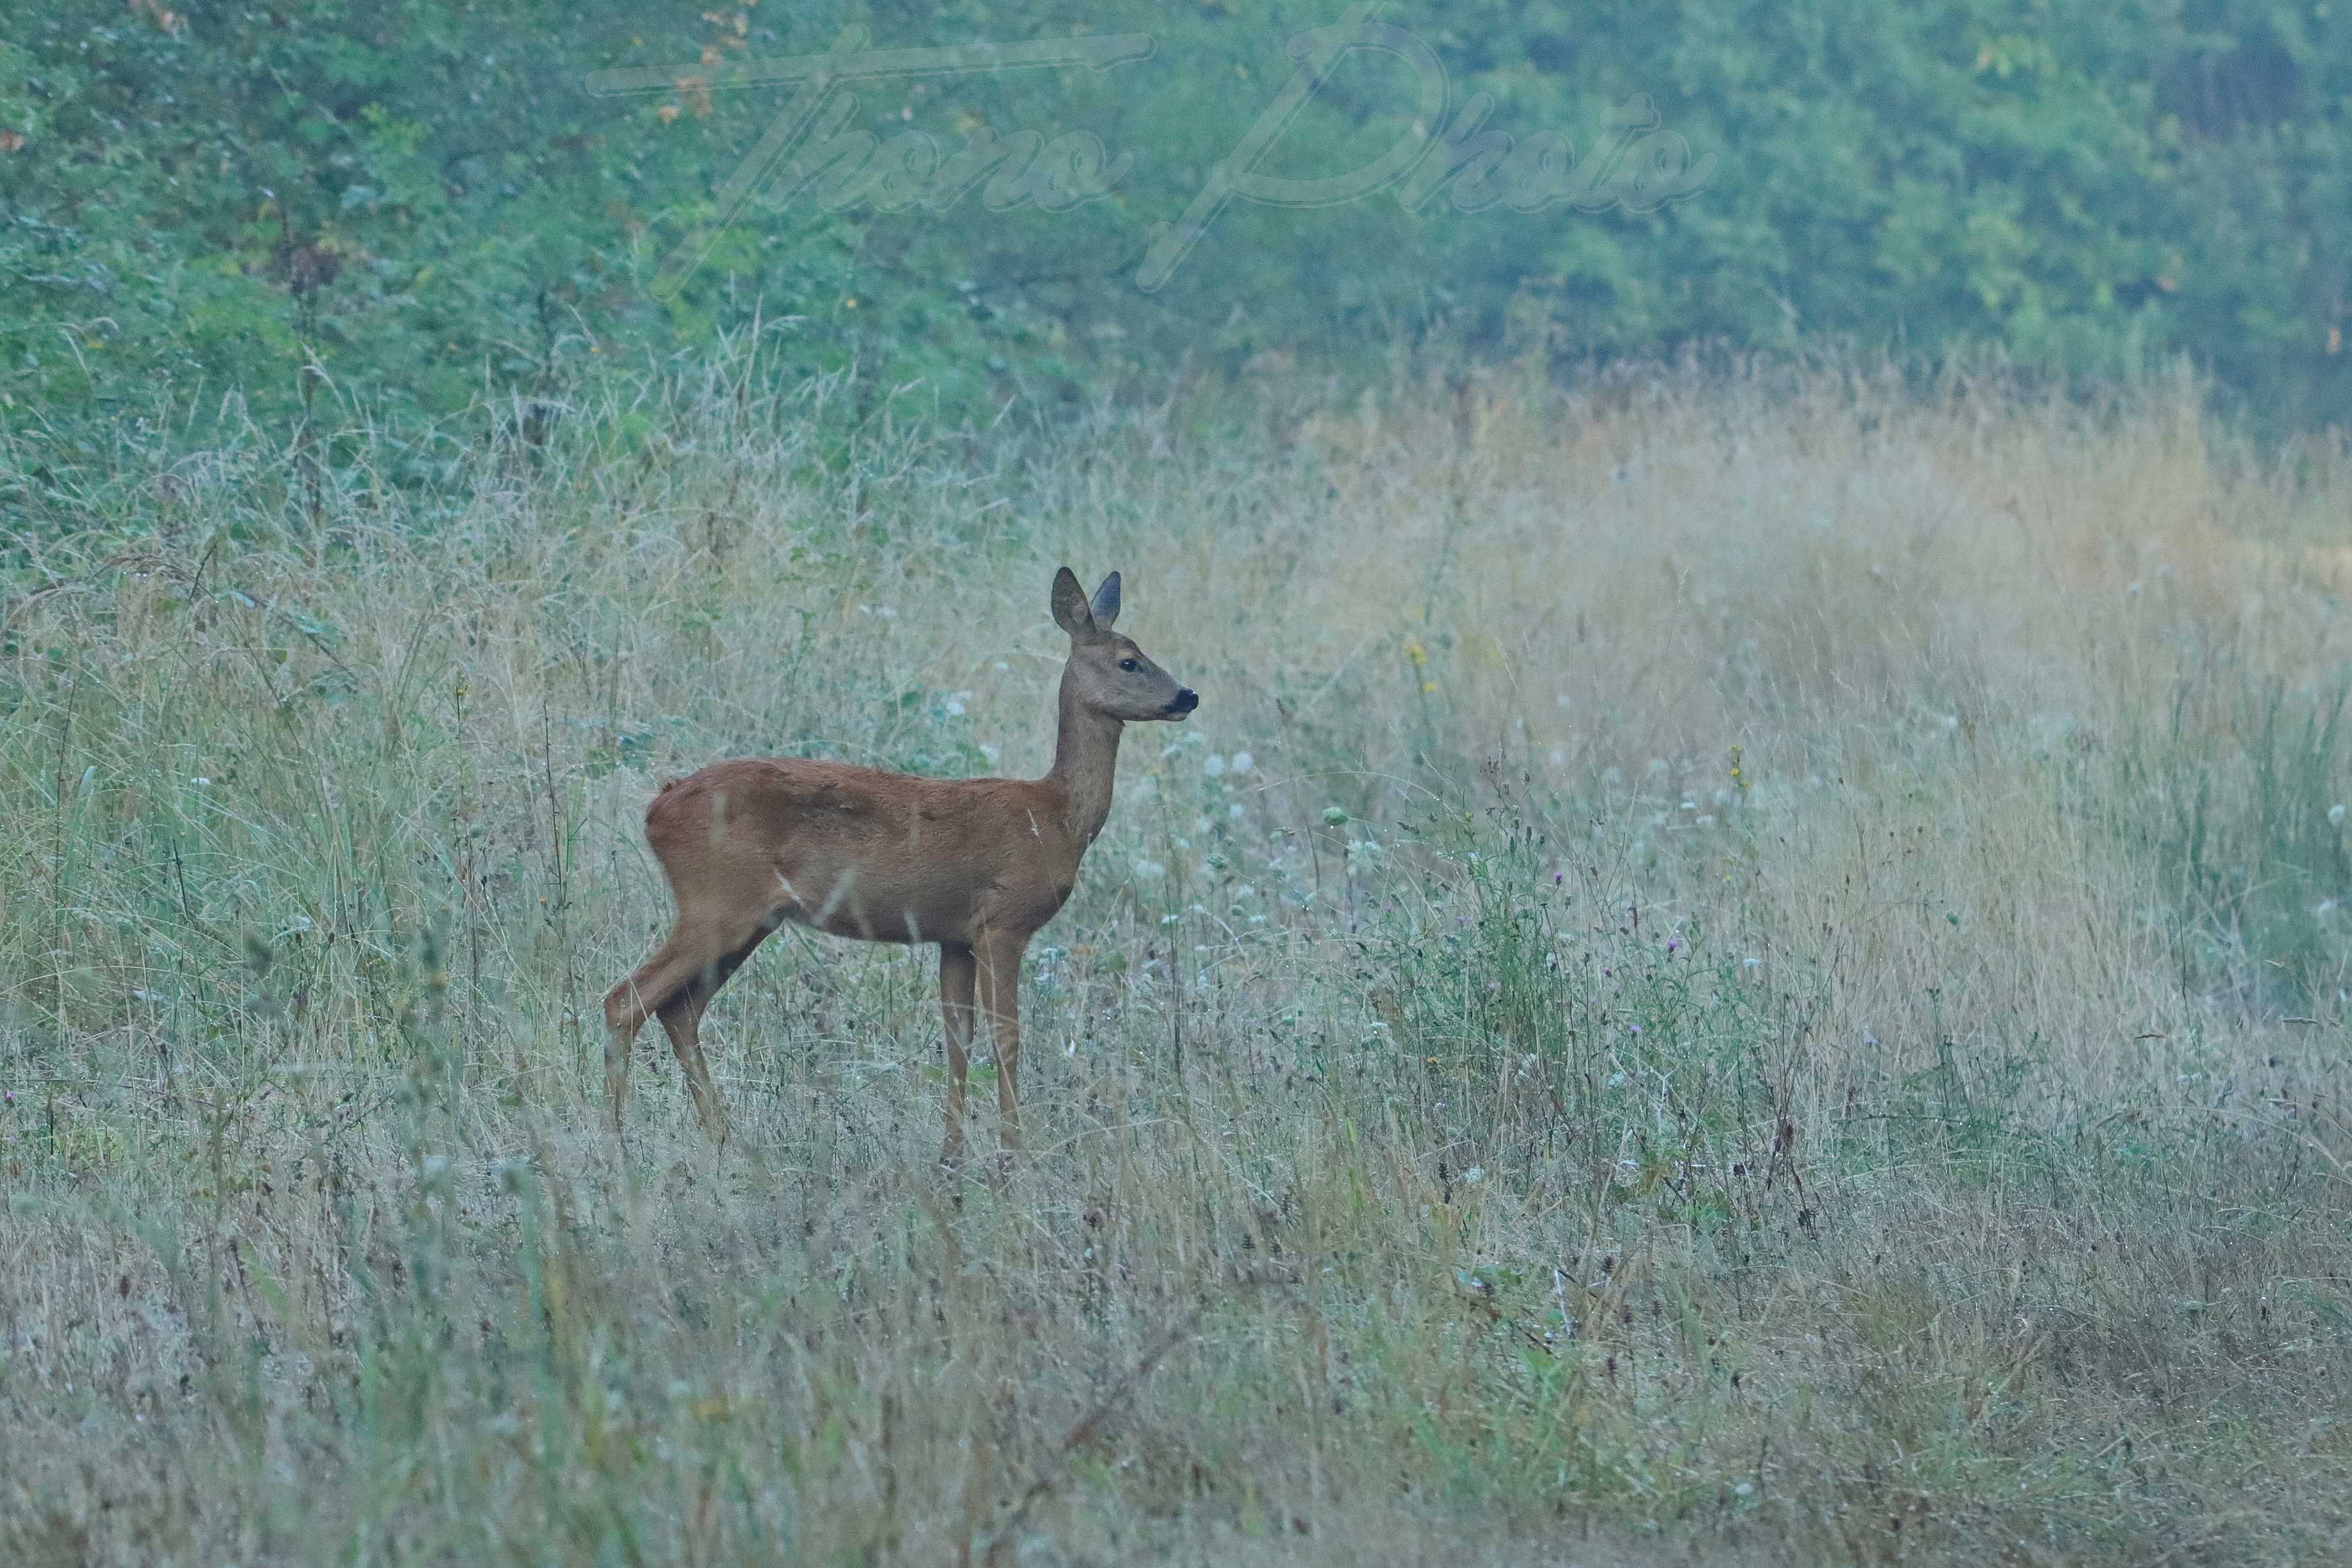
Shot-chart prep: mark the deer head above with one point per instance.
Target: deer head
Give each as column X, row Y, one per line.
column 1107, row 674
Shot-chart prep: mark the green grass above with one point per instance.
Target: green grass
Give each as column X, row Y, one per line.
column 1770, row 991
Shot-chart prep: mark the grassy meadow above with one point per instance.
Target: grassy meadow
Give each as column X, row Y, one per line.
column 1738, row 967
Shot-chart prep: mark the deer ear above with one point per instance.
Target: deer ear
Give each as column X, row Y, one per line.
column 1105, row 606
column 1070, row 612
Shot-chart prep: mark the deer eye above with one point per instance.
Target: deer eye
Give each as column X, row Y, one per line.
column 1130, row 666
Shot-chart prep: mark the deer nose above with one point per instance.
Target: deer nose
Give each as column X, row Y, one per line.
column 1186, row 700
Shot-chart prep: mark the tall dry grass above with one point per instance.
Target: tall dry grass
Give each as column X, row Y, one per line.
column 1771, row 988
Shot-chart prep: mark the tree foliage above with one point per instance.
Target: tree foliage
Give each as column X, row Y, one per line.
column 231, row 212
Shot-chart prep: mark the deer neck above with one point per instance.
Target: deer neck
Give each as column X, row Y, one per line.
column 1086, row 762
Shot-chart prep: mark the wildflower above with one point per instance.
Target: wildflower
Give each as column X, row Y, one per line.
column 2335, row 815
column 1242, row 762
column 1473, row 1176
column 1150, row 870
column 955, row 703
column 1214, row 766
column 204, row 783
column 1236, row 812
column 1415, row 652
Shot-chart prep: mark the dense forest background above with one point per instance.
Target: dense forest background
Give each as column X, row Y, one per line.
column 319, row 216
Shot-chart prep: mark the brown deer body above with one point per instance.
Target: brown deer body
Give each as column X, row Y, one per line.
column 975, row 866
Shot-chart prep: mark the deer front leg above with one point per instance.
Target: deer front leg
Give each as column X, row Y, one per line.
column 999, row 958
column 956, row 968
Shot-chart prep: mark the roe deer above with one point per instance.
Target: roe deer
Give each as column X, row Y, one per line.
column 975, row 865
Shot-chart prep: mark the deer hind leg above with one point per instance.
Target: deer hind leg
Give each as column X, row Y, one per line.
column 681, row 1020
column 999, row 993
column 956, row 967
column 675, row 983
column 626, row 1007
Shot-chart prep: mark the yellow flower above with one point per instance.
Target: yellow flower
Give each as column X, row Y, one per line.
column 1415, row 652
